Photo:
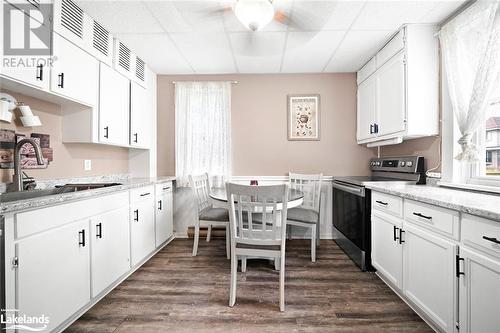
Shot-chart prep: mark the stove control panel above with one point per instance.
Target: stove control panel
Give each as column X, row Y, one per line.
column 406, row 164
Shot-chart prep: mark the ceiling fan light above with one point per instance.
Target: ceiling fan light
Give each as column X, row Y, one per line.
column 254, row 14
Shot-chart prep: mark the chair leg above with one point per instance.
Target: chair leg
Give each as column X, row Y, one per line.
column 196, row 239
column 318, row 231
column 228, row 243
column 234, row 271
column 243, row 264
column 282, row 283
column 313, row 243
column 209, row 232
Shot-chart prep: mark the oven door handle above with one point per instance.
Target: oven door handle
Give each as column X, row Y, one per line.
column 356, row 190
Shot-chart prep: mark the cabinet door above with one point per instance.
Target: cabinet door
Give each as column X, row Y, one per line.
column 142, row 230
column 114, row 102
column 54, row 273
column 110, row 239
column 75, row 73
column 391, row 96
column 367, row 93
column 164, row 218
column 429, row 275
column 479, row 293
column 387, row 254
column 140, row 114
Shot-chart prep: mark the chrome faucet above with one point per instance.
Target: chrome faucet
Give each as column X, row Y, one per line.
column 17, row 178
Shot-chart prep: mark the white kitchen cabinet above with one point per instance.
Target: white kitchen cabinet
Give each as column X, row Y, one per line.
column 387, row 252
column 140, row 115
column 114, row 99
column 74, row 73
column 164, row 213
column 110, row 241
column 367, row 108
column 429, row 279
column 406, row 71
column 391, row 96
column 53, row 274
column 479, row 287
column 142, row 224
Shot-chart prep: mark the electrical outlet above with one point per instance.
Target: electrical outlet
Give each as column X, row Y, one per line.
column 434, row 174
column 87, row 165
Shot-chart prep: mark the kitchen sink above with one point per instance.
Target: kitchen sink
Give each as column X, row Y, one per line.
column 67, row 188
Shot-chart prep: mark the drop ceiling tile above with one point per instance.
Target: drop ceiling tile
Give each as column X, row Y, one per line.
column 122, row 16
column 390, row 15
column 259, row 52
column 310, row 51
column 356, row 49
column 442, row 10
column 207, row 52
column 158, row 51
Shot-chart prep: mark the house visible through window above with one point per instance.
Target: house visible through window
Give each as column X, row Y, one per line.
column 492, row 142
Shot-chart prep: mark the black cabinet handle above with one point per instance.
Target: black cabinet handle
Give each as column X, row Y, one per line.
column 61, row 80
column 381, row 202
column 136, row 215
column 135, row 137
column 98, row 232
column 39, row 74
column 423, row 216
column 106, row 132
column 371, row 129
column 457, row 265
column 145, row 194
column 492, row 239
column 166, row 188
column 401, row 231
column 81, row 237
column 375, row 127
column 159, row 205
column 394, row 233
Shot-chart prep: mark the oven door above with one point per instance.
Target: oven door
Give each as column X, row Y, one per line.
column 351, row 217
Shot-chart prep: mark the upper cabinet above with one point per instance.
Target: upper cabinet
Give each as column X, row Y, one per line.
column 139, row 109
column 398, row 89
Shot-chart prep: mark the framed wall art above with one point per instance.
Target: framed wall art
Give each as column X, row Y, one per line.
column 303, row 117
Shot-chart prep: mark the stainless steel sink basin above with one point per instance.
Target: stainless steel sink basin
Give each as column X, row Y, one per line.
column 68, row 188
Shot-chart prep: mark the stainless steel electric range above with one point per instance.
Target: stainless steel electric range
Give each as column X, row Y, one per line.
column 352, row 203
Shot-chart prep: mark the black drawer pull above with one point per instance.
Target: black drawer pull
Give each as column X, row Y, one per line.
column 106, row 132
column 39, row 74
column 401, row 241
column 145, row 194
column 136, row 215
column 166, row 188
column 492, row 239
column 98, row 232
column 423, row 216
column 394, row 233
column 457, row 265
column 159, row 204
column 371, row 129
column 381, row 202
column 81, row 237
column 60, row 84
column 135, row 137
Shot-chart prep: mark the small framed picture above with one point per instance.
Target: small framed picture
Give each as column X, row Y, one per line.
column 303, row 117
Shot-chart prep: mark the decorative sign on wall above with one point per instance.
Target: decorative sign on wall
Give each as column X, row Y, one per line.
column 303, row 117
column 8, row 139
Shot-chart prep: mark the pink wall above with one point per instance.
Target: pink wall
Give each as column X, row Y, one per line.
column 259, row 125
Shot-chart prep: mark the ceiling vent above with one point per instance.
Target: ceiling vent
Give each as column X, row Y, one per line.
column 72, row 17
column 140, row 67
column 35, row 3
column 100, row 39
column 123, row 56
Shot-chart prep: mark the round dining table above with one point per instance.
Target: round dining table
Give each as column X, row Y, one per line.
column 219, row 195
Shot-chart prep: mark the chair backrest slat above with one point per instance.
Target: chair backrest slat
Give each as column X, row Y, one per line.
column 310, row 186
column 200, row 186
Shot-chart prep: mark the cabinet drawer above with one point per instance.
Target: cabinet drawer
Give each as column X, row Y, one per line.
column 396, row 44
column 481, row 234
column 387, row 203
column 142, row 193
column 163, row 188
column 437, row 219
column 368, row 69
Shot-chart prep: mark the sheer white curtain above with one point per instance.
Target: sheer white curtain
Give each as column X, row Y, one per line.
column 202, row 129
column 471, row 51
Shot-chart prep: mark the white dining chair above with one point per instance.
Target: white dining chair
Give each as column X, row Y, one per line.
column 307, row 215
column 263, row 237
column 207, row 214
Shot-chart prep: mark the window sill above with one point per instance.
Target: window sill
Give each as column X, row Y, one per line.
column 471, row 187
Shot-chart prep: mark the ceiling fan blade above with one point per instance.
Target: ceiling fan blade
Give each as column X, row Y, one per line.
column 306, row 15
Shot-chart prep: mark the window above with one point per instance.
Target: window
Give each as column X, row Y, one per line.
column 491, row 145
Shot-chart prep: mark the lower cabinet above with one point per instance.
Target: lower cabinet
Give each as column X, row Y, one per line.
column 479, row 287
column 53, row 275
column 164, row 217
column 429, row 279
column 142, row 227
column 110, row 241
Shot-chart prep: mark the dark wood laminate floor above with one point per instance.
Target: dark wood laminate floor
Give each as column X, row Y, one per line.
column 175, row 292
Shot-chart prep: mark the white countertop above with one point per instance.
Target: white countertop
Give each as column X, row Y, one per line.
column 475, row 203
